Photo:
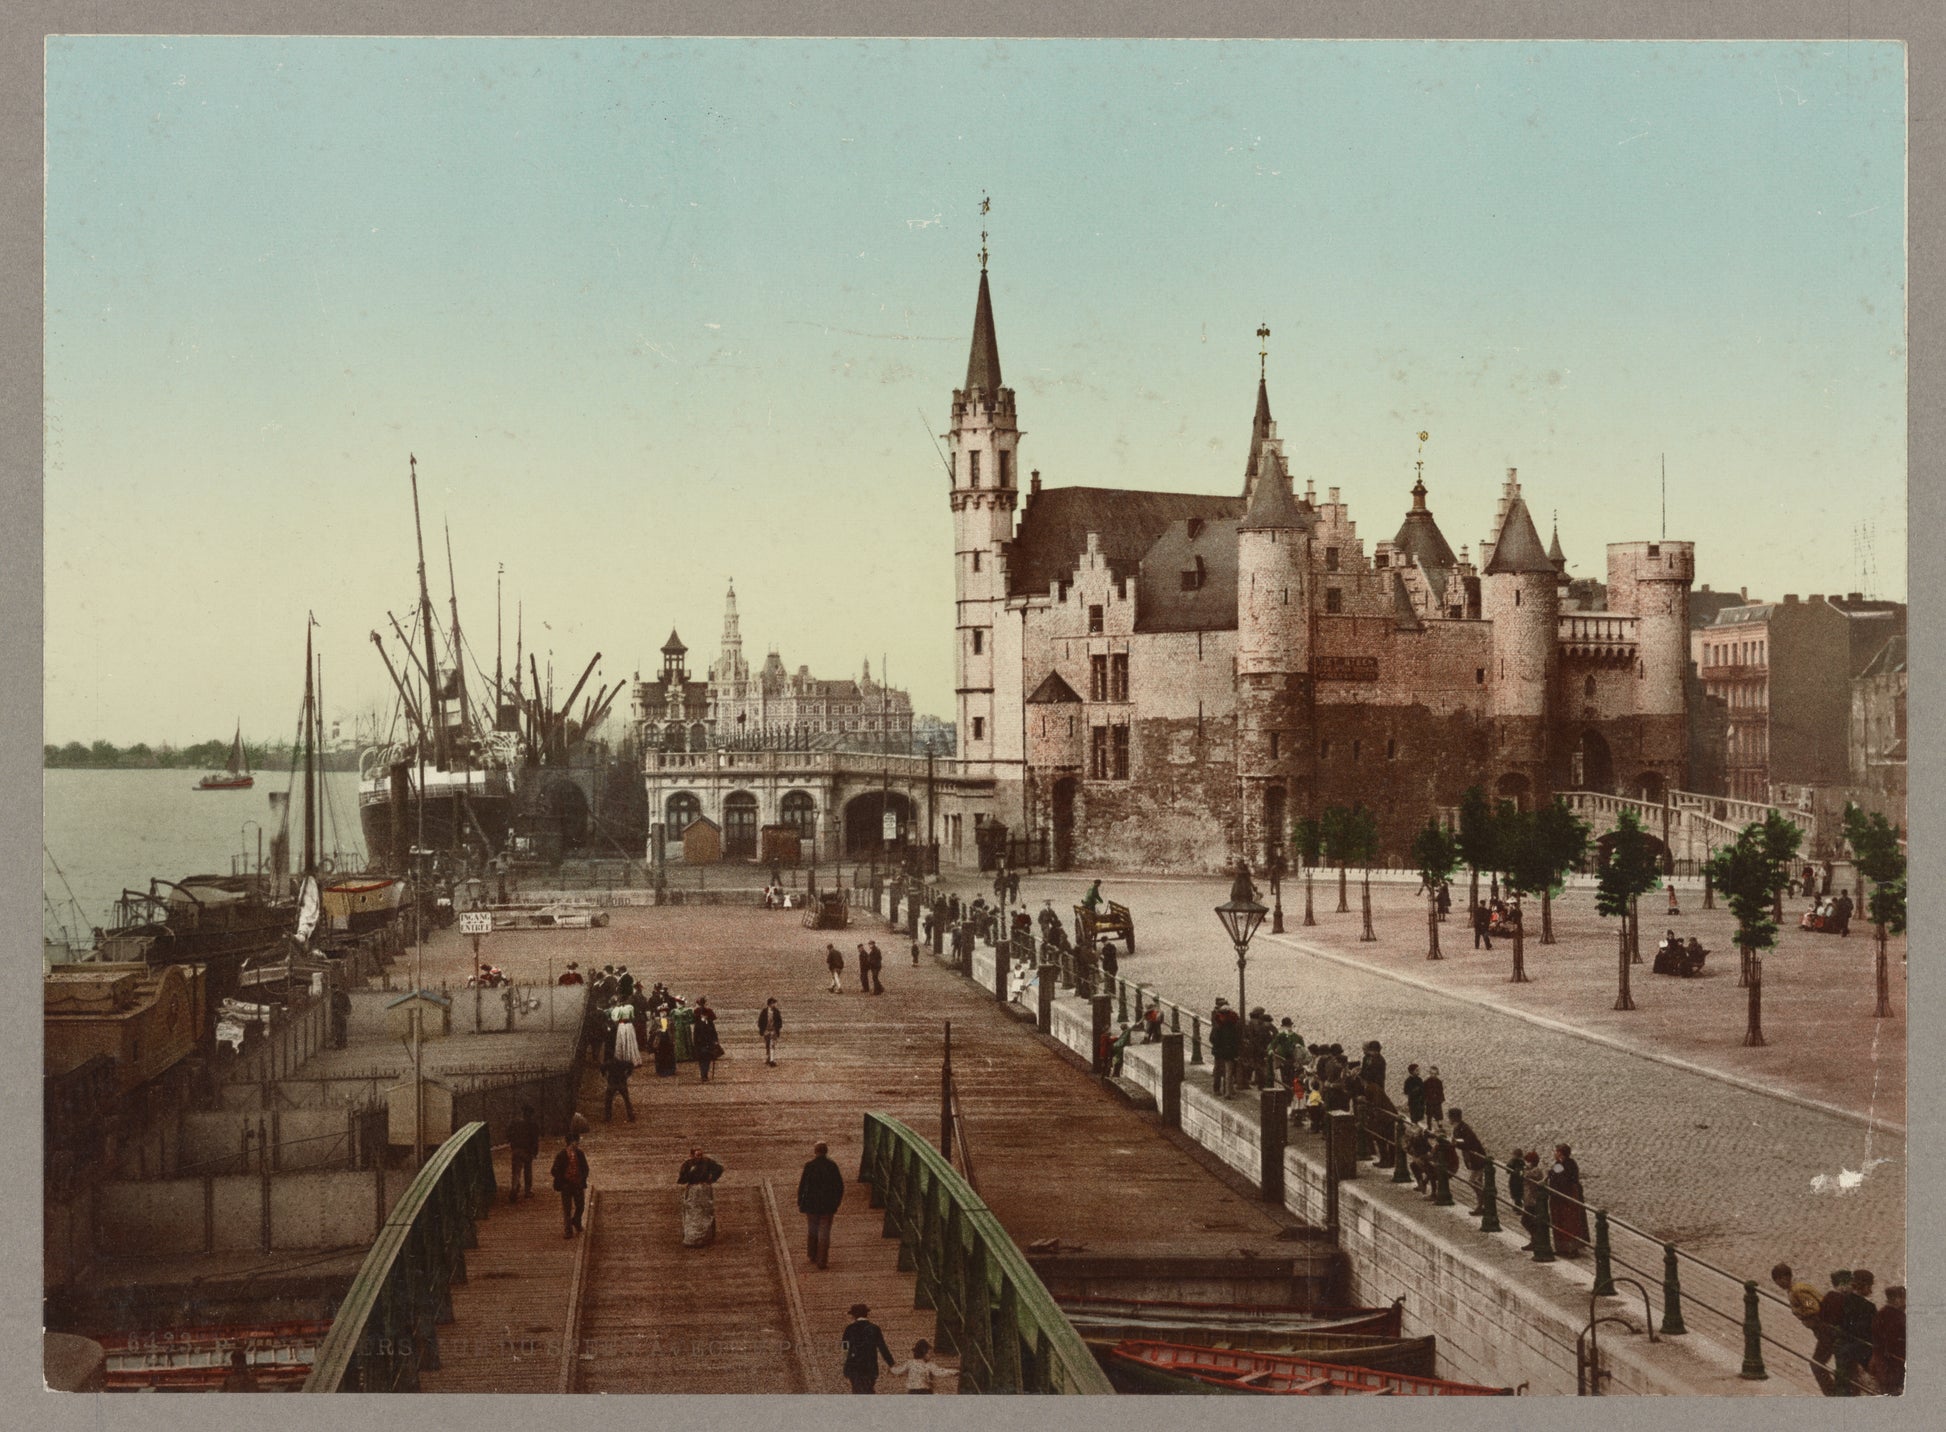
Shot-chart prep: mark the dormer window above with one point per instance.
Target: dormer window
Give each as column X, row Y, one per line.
column 1195, row 576
column 1195, row 531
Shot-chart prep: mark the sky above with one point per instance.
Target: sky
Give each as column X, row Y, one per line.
column 653, row 315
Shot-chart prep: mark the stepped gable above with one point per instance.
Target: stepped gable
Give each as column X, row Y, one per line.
column 1518, row 550
column 1056, row 521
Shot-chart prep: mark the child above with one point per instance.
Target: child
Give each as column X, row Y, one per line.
column 919, row 1373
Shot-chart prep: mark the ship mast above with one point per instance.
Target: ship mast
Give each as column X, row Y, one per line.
column 310, row 769
column 459, row 652
column 434, row 699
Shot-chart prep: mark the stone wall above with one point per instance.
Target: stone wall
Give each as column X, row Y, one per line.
column 312, row 1210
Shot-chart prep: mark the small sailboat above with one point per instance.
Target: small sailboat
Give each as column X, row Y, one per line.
column 236, row 775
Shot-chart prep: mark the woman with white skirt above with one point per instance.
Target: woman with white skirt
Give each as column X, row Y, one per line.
column 698, row 1178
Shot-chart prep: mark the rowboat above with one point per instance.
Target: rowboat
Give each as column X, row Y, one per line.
column 1415, row 1356
column 1143, row 1366
column 1387, row 1322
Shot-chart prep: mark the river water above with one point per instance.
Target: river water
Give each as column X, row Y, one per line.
column 111, row 830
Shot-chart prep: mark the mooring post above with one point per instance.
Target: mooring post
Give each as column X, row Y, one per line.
column 1489, row 1201
column 1753, row 1337
column 1273, row 1130
column 1604, row 1257
column 1672, row 1322
column 1050, row 978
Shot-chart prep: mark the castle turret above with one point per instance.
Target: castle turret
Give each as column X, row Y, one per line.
column 1650, row 581
column 1518, row 596
column 1275, row 734
column 981, row 449
column 731, row 675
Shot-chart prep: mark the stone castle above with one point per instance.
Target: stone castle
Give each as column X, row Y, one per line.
column 1170, row 679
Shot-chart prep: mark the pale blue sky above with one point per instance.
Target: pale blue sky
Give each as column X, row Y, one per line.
column 657, row 313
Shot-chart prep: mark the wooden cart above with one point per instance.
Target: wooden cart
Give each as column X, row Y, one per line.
column 827, row 911
column 1108, row 920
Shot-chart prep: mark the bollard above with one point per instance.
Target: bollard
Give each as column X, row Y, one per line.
column 1489, row 1201
column 1002, row 968
column 1753, row 1337
column 1195, row 1039
column 1672, row 1323
column 1273, row 1130
column 1604, row 1259
column 1544, row 1232
column 1121, row 999
column 1172, row 1080
column 1442, row 1177
column 1400, row 1173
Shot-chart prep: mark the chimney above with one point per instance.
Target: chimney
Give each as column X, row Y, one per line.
column 1854, row 596
column 1790, row 599
column 1743, row 594
column 1333, row 499
column 1815, row 597
column 1033, row 482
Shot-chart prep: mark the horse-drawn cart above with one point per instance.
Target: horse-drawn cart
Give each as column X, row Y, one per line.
column 1108, row 920
column 827, row 911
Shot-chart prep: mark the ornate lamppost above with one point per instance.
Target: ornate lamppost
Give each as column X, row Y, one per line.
column 1241, row 915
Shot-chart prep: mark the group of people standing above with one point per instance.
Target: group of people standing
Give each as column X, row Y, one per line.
column 871, row 964
column 1860, row 1347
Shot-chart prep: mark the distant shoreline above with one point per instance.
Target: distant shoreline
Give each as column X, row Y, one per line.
column 209, row 756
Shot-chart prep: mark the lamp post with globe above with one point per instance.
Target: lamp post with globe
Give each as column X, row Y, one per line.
column 1241, row 915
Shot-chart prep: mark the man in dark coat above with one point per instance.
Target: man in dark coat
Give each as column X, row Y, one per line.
column 1435, row 1096
column 1888, row 1344
column 1472, row 1152
column 702, row 1037
column 524, row 1146
column 570, row 1176
column 1843, row 911
column 1855, row 1318
column 1830, row 1312
column 1371, row 1068
column 820, row 1189
column 1225, row 1043
column 877, row 958
column 864, row 971
column 770, row 1024
column 834, row 961
column 1482, row 926
column 864, row 1344
column 1414, row 1089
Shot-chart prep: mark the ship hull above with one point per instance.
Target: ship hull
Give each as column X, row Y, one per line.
column 460, row 810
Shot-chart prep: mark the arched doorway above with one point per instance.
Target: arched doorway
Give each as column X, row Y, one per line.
column 699, row 737
column 740, row 826
column 865, row 822
column 800, row 813
column 1514, row 787
column 1593, row 764
column 680, row 811
column 1606, row 845
column 1064, row 791
column 1651, row 787
column 672, row 737
column 565, row 810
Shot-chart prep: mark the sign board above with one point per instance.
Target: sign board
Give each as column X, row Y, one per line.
column 1345, row 668
column 891, row 825
column 476, row 922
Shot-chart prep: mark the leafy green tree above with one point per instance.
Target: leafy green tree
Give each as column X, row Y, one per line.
column 1553, row 841
column 1339, row 846
column 1749, row 874
column 1874, row 843
column 1308, row 836
column 1632, row 871
column 1435, row 853
column 138, row 755
column 104, row 753
column 74, row 754
column 1476, row 834
column 1361, row 844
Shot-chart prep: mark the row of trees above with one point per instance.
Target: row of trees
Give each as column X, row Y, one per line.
column 202, row 756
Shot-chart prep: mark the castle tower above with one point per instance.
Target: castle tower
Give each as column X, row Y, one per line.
column 981, row 449
column 1518, row 596
column 731, row 675
column 1275, row 736
column 1650, row 581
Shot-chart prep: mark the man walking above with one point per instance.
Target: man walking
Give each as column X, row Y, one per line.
column 1482, row 927
column 864, row 971
column 1830, row 1313
column 702, row 1034
column 864, row 1345
column 523, row 1147
column 1805, row 1302
column 1854, row 1342
column 820, row 1189
column 571, row 1182
column 877, row 958
column 835, row 962
column 770, row 1024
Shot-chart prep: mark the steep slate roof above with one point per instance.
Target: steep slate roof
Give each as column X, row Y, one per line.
column 1271, row 503
column 1518, row 548
column 674, row 644
column 1554, row 552
column 1055, row 524
column 1421, row 541
column 1161, row 604
column 1054, row 692
column 1402, row 607
column 983, row 363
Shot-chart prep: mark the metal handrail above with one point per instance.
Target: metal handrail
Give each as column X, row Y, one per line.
column 384, row 1331
column 1012, row 1336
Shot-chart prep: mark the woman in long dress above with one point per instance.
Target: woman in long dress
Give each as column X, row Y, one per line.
column 1570, row 1219
column 698, row 1178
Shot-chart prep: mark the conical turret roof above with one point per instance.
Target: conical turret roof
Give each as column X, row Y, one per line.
column 674, row 644
column 1554, row 552
column 1518, row 547
column 983, row 362
column 1259, row 430
column 1271, row 503
column 1420, row 539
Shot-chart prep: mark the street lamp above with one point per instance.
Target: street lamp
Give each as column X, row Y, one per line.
column 1240, row 921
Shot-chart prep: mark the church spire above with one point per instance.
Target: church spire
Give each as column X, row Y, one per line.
column 1261, row 427
column 983, row 363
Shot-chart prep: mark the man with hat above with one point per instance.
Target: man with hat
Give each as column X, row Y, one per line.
column 1225, row 1043
column 864, row 1344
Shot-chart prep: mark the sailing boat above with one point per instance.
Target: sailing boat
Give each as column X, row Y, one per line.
column 236, row 775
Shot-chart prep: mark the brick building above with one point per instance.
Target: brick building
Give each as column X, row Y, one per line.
column 1168, row 679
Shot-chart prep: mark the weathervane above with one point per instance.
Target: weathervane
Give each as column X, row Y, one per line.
column 985, row 205
column 1263, row 347
column 1420, row 465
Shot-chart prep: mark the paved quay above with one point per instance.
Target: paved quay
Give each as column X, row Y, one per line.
column 1056, row 1156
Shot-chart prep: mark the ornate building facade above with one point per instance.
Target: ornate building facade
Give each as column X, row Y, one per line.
column 1170, row 679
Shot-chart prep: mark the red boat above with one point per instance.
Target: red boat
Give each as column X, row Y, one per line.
column 236, row 775
column 1387, row 1322
column 1179, row 1368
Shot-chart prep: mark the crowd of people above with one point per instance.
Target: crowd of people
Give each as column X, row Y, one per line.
column 1860, row 1346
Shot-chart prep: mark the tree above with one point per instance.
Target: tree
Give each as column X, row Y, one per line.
column 1361, row 837
column 1476, row 833
column 1308, row 836
column 1632, row 871
column 1556, row 841
column 1749, row 874
column 1436, row 854
column 1874, row 843
column 103, row 753
column 1336, row 829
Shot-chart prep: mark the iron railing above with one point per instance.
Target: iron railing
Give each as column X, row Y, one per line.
column 387, row 1329
column 993, row 1310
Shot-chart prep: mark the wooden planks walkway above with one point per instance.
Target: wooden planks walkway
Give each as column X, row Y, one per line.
column 1057, row 1156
